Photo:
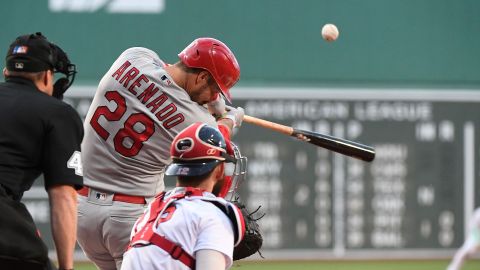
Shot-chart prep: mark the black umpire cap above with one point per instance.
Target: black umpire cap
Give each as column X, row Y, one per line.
column 30, row 53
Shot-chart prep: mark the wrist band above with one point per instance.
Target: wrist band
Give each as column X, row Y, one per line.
column 220, row 116
column 231, row 117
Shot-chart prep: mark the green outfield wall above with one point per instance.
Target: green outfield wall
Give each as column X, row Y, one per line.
column 426, row 43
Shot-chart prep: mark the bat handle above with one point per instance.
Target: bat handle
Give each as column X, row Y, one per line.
column 267, row 124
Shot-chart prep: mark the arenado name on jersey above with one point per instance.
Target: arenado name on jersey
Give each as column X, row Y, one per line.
column 132, row 79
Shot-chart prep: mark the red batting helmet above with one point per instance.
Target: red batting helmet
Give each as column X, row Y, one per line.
column 216, row 58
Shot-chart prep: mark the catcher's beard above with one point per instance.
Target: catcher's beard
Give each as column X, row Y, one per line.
column 218, row 186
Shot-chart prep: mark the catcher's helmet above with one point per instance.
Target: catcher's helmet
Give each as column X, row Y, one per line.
column 197, row 150
column 216, row 58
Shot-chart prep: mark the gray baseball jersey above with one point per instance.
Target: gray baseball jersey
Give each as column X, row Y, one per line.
column 135, row 114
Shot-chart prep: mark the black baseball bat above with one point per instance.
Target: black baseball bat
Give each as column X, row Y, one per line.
column 338, row 145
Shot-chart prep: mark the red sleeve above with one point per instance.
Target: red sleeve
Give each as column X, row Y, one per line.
column 226, row 134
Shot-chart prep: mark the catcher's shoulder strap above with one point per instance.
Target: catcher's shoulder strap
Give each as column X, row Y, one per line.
column 146, row 235
column 233, row 213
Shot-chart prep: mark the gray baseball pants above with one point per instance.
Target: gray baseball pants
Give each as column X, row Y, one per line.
column 104, row 227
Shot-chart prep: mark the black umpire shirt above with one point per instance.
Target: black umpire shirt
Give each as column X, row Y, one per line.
column 38, row 134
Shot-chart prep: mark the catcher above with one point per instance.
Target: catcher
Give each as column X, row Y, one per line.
column 193, row 226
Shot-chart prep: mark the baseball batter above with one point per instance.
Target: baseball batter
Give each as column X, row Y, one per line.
column 189, row 227
column 471, row 244
column 140, row 105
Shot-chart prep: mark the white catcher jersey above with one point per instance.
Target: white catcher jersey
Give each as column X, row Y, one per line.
column 135, row 114
column 194, row 224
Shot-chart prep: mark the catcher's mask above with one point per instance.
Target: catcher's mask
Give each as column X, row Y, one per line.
column 233, row 181
column 198, row 149
column 34, row 53
column 215, row 57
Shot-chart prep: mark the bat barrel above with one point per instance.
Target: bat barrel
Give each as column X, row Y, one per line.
column 342, row 146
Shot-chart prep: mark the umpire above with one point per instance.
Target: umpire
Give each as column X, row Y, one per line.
column 38, row 134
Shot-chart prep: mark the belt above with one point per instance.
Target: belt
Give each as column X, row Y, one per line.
column 117, row 197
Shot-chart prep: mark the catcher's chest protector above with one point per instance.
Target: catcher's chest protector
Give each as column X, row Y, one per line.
column 160, row 207
column 234, row 214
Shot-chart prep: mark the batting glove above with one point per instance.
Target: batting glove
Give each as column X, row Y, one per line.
column 217, row 107
column 234, row 114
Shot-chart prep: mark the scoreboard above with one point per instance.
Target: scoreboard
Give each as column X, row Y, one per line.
column 414, row 200
column 413, row 196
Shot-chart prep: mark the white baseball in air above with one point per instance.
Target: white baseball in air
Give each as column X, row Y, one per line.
column 330, row 32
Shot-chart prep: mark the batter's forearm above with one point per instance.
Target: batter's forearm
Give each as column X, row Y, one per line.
column 63, row 205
